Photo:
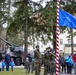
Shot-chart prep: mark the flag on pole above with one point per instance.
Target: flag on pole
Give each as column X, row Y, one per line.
column 66, row 19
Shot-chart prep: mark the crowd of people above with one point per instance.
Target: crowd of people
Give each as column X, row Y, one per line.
column 6, row 61
column 67, row 63
column 34, row 62
column 29, row 63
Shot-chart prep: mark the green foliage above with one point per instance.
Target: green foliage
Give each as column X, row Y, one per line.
column 70, row 6
column 17, row 39
column 48, row 15
column 19, row 17
column 17, row 21
column 3, row 12
column 3, row 15
column 45, row 21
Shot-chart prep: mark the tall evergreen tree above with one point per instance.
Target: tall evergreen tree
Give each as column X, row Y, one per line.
column 3, row 16
column 22, row 20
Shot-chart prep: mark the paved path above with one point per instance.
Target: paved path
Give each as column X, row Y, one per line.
column 68, row 74
column 19, row 66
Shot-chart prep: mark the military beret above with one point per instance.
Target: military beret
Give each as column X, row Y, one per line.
column 48, row 48
column 37, row 46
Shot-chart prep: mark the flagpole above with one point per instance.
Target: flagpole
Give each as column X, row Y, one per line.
column 57, row 38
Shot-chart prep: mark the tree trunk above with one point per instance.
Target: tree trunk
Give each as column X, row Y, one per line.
column 72, row 42
column 26, row 35
column 26, row 30
column 54, row 37
column 0, row 35
column 9, row 2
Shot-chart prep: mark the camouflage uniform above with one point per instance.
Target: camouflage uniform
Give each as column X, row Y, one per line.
column 37, row 62
column 49, row 63
column 52, row 64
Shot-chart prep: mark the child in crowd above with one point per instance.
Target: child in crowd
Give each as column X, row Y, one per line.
column 32, row 65
column 0, row 65
column 27, row 65
column 12, row 64
column 3, row 64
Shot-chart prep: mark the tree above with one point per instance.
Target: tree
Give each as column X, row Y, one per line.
column 22, row 21
column 49, row 22
column 49, row 17
column 44, row 24
column 3, row 16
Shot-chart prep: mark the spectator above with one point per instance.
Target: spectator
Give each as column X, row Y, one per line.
column 74, row 59
column 12, row 64
column 27, row 65
column 32, row 65
column 0, row 65
column 29, row 57
column 7, row 60
column 66, row 59
column 3, row 64
column 60, row 63
column 63, row 63
column 70, row 64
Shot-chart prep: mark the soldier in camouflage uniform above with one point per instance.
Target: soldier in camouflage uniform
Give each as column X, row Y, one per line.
column 38, row 61
column 49, row 62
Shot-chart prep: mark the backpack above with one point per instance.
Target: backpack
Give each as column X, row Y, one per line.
column 70, row 62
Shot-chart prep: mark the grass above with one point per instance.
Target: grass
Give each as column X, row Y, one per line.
column 17, row 71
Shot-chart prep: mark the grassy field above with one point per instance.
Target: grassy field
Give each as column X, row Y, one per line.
column 17, row 71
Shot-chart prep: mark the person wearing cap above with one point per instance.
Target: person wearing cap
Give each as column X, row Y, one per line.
column 37, row 61
column 49, row 62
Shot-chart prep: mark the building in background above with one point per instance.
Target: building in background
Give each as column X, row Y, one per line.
column 65, row 43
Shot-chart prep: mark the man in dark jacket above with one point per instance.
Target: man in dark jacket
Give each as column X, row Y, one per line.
column 29, row 57
column 7, row 61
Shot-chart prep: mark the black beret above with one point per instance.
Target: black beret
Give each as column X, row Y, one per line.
column 37, row 46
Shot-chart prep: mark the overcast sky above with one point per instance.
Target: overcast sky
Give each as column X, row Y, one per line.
column 44, row 3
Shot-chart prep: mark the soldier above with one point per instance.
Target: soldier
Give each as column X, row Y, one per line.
column 49, row 62
column 38, row 61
